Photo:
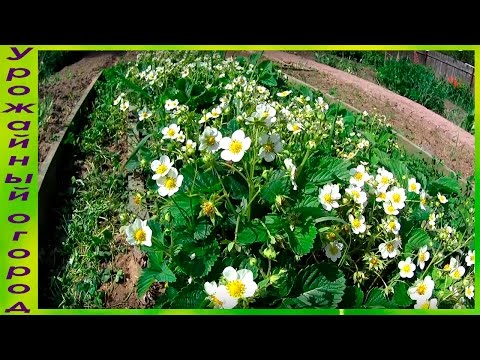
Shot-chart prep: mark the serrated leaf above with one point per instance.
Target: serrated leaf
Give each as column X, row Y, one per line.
column 377, row 300
column 190, row 297
column 278, row 184
column 400, row 295
column 445, row 185
column 235, row 186
column 252, row 232
column 353, row 298
column 325, row 170
column 417, row 239
column 144, row 282
column 322, row 286
column 202, row 263
column 274, row 223
column 202, row 230
column 302, row 238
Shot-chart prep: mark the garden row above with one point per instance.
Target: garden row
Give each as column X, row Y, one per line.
column 255, row 193
column 449, row 98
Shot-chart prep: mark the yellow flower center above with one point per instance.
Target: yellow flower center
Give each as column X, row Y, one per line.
column 421, row 257
column 137, row 199
column 469, row 291
column 235, row 147
column 171, row 132
column 161, row 169
column 390, row 209
column 356, row 223
column 170, row 183
column 216, row 301
column 390, row 247
column 382, row 196
column 422, row 289
column 373, row 262
column 384, row 180
column 406, row 268
column 396, row 198
column 333, row 249
column 413, row 187
column 328, row 198
column 208, row 208
column 295, row 127
column 268, row 147
column 355, row 194
column 236, row 288
column 265, row 114
column 392, row 225
column 456, row 274
column 447, row 267
column 426, row 305
column 358, row 176
column 140, row 236
column 423, row 200
column 210, row 140
column 442, row 198
column 215, row 113
column 472, row 258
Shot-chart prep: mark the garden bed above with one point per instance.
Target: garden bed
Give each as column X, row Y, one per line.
column 254, row 218
column 438, row 136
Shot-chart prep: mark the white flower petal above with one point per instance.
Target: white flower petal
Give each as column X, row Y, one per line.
column 230, row 273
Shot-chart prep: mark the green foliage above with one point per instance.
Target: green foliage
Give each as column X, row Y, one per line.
column 260, row 216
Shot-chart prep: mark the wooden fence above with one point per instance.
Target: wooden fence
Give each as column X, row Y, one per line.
column 443, row 65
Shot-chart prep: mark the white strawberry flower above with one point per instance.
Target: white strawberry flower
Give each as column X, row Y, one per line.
column 357, row 224
column 210, row 139
column 144, row 114
column 139, row 233
column 161, row 166
column 357, row 194
column 170, row 183
column 329, row 194
column 423, row 256
column 171, row 104
column 406, row 268
column 333, row 250
column 235, row 147
column 359, row 176
column 171, row 132
column 422, row 289
column 413, row 186
column 270, row 146
column 397, row 197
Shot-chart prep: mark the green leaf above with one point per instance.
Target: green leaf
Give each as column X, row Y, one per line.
column 445, row 185
column 131, row 85
column 417, row 239
column 157, row 232
column 377, row 300
column 268, row 81
column 353, row 298
column 252, row 232
column 274, row 223
column 400, row 295
column 190, row 297
column 235, row 186
column 302, row 238
column 202, row 229
column 202, row 263
column 278, row 184
column 255, row 57
column 321, row 286
column 132, row 164
column 144, row 282
column 325, row 170
column 137, row 148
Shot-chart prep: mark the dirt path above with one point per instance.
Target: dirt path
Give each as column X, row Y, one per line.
column 66, row 87
column 432, row 132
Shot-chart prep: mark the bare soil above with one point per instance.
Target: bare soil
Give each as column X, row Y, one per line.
column 435, row 134
column 66, row 88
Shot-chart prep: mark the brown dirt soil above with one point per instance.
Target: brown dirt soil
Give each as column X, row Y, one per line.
column 435, row 134
column 66, row 87
column 123, row 295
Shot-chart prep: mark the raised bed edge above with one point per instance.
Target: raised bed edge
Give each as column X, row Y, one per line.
column 408, row 146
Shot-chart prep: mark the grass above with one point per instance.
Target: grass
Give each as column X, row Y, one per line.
column 414, row 81
column 90, row 212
